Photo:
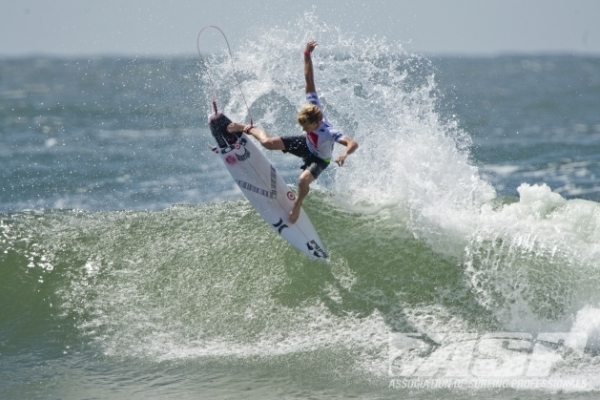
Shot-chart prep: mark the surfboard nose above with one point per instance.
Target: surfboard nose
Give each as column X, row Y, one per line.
column 218, row 128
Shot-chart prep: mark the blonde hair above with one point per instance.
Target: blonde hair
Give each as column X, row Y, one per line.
column 309, row 114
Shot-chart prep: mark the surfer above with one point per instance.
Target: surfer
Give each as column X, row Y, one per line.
column 315, row 147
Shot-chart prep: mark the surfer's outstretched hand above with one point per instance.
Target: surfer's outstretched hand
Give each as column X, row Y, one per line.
column 340, row 160
column 310, row 46
column 235, row 127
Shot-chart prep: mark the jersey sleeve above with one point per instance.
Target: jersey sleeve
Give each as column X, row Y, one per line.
column 313, row 98
column 336, row 135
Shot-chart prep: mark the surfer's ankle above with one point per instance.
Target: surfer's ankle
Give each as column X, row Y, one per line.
column 295, row 213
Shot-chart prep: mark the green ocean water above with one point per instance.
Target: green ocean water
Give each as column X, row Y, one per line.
column 206, row 301
column 199, row 282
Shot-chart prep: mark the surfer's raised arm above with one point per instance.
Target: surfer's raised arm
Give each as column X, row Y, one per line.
column 309, row 75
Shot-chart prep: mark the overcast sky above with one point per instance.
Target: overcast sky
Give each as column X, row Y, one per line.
column 170, row 27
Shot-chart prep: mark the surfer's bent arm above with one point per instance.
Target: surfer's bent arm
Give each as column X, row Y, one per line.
column 351, row 146
column 309, row 75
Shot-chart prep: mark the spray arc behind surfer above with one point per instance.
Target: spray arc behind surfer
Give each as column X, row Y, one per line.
column 315, row 147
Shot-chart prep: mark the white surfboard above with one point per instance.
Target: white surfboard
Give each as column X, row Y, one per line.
column 264, row 187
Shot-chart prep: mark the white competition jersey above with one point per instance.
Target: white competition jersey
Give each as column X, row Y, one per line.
column 320, row 142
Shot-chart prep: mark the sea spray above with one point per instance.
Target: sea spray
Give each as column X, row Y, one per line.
column 525, row 262
column 411, row 158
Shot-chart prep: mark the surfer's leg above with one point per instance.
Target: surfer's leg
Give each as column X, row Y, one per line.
column 312, row 169
column 306, row 178
column 271, row 143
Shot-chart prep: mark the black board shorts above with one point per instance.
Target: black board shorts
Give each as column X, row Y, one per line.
column 296, row 145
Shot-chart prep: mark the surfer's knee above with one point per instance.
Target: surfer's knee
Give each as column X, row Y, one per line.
column 272, row 143
column 305, row 180
column 268, row 143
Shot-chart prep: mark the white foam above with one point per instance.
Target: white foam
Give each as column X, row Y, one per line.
column 587, row 322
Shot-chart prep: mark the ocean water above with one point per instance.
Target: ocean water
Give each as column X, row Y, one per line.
column 463, row 234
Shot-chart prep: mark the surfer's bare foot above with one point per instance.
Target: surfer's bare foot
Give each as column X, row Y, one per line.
column 235, row 127
column 293, row 217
